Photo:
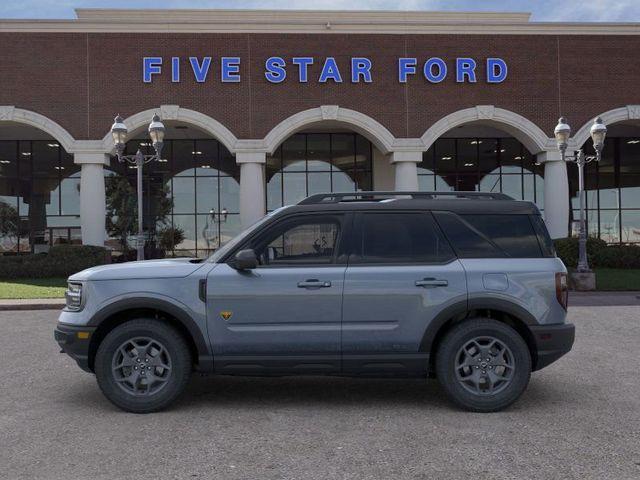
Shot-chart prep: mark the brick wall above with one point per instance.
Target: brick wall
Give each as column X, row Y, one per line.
column 82, row 80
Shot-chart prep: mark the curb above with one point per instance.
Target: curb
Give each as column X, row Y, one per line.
column 37, row 304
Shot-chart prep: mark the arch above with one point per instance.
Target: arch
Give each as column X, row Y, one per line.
column 177, row 113
column 629, row 112
column 9, row 113
column 373, row 130
column 527, row 132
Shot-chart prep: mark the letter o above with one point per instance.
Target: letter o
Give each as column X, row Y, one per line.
column 428, row 70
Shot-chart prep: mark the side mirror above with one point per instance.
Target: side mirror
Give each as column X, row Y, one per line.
column 245, row 260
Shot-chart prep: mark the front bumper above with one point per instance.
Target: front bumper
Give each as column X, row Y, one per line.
column 552, row 342
column 74, row 341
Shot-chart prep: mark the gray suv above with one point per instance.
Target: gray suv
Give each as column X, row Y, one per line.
column 464, row 287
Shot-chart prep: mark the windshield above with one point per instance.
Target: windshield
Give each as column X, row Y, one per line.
column 238, row 239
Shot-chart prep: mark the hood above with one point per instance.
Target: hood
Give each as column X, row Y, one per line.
column 166, row 268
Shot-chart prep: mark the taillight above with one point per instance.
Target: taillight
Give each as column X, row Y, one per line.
column 562, row 289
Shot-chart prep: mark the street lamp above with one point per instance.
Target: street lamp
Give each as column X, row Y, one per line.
column 211, row 230
column 119, row 133
column 562, row 133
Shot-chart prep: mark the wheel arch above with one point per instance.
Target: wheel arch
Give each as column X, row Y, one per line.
column 504, row 311
column 121, row 311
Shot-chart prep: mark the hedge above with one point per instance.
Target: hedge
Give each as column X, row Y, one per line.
column 599, row 254
column 61, row 261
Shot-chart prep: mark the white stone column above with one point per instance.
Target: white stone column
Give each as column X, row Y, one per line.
column 92, row 197
column 556, row 194
column 252, row 187
column 406, row 166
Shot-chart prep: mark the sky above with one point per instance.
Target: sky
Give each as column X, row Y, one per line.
column 542, row 10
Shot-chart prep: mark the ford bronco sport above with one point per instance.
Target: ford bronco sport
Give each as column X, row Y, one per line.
column 461, row 286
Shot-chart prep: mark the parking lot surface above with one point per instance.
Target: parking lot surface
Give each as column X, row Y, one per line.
column 580, row 418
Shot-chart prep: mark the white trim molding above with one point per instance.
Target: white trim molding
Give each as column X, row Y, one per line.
column 10, row 113
column 629, row 112
column 523, row 129
column 309, row 21
column 179, row 114
column 373, row 130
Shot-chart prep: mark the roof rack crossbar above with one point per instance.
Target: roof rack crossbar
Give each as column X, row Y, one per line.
column 373, row 195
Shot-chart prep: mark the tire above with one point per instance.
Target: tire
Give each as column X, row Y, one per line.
column 471, row 381
column 152, row 353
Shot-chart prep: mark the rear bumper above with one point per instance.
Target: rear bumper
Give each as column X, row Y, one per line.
column 74, row 345
column 552, row 342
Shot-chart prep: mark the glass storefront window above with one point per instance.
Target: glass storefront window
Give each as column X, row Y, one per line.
column 612, row 190
column 202, row 179
column 308, row 163
column 39, row 195
column 482, row 164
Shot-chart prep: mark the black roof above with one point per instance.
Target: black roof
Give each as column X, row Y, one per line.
column 457, row 202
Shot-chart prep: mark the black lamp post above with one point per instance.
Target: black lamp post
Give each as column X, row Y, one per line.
column 156, row 132
column 562, row 133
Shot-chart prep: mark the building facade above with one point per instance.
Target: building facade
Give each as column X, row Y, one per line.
column 263, row 108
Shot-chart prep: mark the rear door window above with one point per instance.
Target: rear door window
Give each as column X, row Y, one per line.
column 401, row 238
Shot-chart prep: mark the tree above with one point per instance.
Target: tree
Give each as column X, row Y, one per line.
column 169, row 237
column 122, row 209
column 9, row 221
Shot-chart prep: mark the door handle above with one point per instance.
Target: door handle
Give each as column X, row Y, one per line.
column 313, row 283
column 431, row 283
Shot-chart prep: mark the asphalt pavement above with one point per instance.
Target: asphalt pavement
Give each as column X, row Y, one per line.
column 579, row 418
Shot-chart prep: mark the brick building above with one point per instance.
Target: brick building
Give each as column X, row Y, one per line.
column 265, row 107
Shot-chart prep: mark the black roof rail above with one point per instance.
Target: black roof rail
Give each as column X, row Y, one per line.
column 378, row 196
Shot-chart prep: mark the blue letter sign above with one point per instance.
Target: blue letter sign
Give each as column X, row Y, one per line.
column 360, row 67
column 406, row 66
column 230, row 69
column 200, row 71
column 428, row 70
column 434, row 69
column 330, row 71
column 496, row 70
column 465, row 67
column 151, row 66
column 303, row 66
column 275, row 69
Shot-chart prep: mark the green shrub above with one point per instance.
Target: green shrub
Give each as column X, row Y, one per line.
column 567, row 249
column 61, row 261
column 618, row 256
column 599, row 254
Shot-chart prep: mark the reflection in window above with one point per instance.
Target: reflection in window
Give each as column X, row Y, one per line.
column 482, row 164
column 203, row 180
column 307, row 243
column 308, row 163
column 612, row 188
column 39, row 196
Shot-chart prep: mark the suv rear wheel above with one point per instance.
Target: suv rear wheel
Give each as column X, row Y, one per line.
column 143, row 365
column 483, row 365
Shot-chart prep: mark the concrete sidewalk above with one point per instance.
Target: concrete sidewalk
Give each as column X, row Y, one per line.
column 576, row 299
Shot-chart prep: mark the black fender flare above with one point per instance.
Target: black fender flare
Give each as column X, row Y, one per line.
column 462, row 308
column 205, row 357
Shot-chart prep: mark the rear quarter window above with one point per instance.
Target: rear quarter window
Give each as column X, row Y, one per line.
column 492, row 236
column 513, row 234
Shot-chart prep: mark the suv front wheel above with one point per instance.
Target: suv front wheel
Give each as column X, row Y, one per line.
column 483, row 365
column 143, row 365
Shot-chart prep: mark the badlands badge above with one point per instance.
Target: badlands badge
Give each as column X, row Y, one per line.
column 225, row 314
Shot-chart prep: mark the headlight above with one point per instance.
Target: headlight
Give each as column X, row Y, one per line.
column 73, row 295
